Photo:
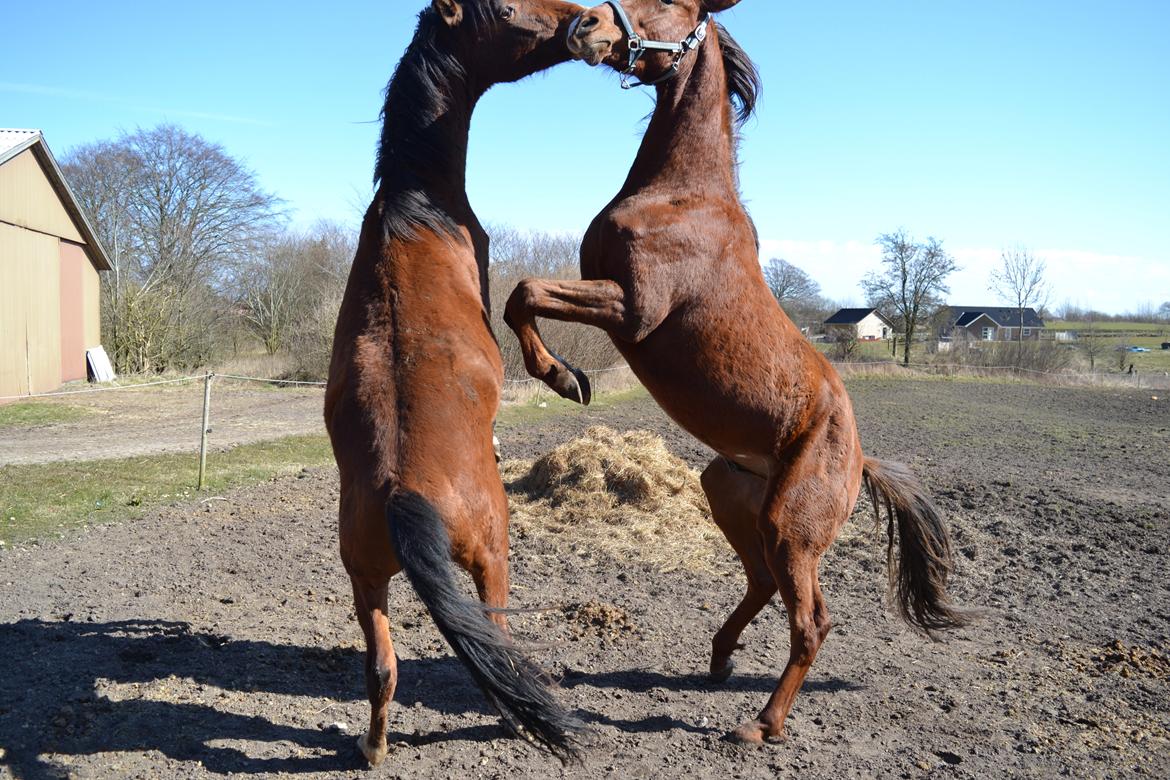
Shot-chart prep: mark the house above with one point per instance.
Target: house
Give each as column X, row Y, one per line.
column 50, row 259
column 990, row 323
column 860, row 324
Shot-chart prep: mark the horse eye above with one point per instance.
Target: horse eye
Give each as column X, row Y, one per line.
column 507, row 12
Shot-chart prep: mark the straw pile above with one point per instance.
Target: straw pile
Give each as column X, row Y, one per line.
column 623, row 494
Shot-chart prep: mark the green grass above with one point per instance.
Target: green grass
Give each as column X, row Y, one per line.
column 1146, row 328
column 512, row 415
column 30, row 414
column 40, row 500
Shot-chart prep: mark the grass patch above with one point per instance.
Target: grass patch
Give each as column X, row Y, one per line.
column 30, row 414
column 549, row 405
column 42, row 499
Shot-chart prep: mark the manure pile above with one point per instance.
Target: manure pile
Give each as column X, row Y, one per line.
column 622, row 494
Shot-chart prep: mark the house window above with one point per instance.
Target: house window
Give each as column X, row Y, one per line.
column 989, row 334
column 1007, row 334
column 1027, row 332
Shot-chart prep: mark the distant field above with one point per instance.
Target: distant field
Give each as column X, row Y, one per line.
column 1136, row 328
column 1127, row 334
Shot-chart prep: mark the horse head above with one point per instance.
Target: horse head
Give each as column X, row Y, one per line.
column 504, row 40
column 644, row 39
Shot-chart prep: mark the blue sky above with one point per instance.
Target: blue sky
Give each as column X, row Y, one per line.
column 989, row 125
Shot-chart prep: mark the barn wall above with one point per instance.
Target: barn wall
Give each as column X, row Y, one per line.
column 73, row 263
column 28, row 200
column 30, row 317
column 91, row 305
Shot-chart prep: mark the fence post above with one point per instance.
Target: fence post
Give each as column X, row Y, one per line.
column 204, row 430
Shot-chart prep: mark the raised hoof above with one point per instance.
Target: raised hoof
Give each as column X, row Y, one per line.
column 585, row 390
column 573, row 385
column 755, row 734
column 569, row 382
column 374, row 756
column 722, row 673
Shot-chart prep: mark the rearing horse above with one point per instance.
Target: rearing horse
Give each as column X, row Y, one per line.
column 670, row 270
column 416, row 373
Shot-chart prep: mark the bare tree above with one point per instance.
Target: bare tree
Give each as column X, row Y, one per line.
column 911, row 283
column 1164, row 311
column 1020, row 281
column 789, row 284
column 182, row 216
column 1091, row 341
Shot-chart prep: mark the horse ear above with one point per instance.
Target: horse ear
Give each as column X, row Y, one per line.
column 451, row 11
column 715, row 6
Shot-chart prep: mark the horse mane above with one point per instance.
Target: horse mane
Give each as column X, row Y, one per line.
column 743, row 78
column 420, row 90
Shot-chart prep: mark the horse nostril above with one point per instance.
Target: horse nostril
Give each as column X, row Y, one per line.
column 587, row 23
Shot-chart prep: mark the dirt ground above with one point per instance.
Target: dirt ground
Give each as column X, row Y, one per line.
column 152, row 421
column 209, row 639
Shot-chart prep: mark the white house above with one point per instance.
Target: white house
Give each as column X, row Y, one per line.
column 860, row 324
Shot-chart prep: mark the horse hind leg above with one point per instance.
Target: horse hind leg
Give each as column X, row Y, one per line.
column 809, row 624
column 490, row 573
column 796, row 527
column 381, row 666
column 736, row 497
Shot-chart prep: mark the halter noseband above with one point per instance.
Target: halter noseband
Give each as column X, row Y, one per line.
column 638, row 46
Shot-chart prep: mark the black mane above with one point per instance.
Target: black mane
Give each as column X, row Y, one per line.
column 427, row 78
column 743, row 78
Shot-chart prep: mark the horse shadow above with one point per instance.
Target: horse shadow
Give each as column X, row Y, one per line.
column 50, row 705
column 643, row 681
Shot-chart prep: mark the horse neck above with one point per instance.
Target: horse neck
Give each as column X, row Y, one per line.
column 690, row 140
column 440, row 172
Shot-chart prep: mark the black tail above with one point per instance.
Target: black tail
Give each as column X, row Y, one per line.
column 919, row 573
column 513, row 684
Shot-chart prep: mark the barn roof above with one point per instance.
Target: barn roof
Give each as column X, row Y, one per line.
column 1003, row 316
column 854, row 316
column 12, row 143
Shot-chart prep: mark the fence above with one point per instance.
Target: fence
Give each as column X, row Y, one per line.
column 165, row 423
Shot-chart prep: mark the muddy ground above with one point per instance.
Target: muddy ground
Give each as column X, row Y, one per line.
column 216, row 638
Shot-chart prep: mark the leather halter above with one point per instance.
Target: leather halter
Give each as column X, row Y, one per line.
column 638, row 46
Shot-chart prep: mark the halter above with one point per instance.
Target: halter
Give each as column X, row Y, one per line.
column 639, row 46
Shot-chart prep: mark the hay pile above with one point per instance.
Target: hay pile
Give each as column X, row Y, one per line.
column 623, row 494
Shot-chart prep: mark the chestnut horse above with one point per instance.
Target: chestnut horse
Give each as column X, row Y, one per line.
column 415, row 379
column 671, row 272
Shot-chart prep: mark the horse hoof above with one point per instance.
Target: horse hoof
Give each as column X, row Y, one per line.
column 585, row 389
column 569, row 382
column 754, row 734
column 721, row 674
column 374, row 756
column 573, row 385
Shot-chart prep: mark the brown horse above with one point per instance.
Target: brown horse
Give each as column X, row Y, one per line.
column 671, row 271
column 416, row 373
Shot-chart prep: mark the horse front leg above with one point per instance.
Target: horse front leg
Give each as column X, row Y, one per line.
column 599, row 303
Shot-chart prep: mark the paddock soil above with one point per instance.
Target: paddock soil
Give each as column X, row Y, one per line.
column 215, row 637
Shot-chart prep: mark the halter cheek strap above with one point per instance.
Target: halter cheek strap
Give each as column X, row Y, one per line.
column 638, row 47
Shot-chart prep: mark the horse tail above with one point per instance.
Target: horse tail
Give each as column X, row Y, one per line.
column 919, row 572
column 515, row 686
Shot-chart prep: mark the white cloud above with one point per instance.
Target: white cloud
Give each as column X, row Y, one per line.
column 1110, row 283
